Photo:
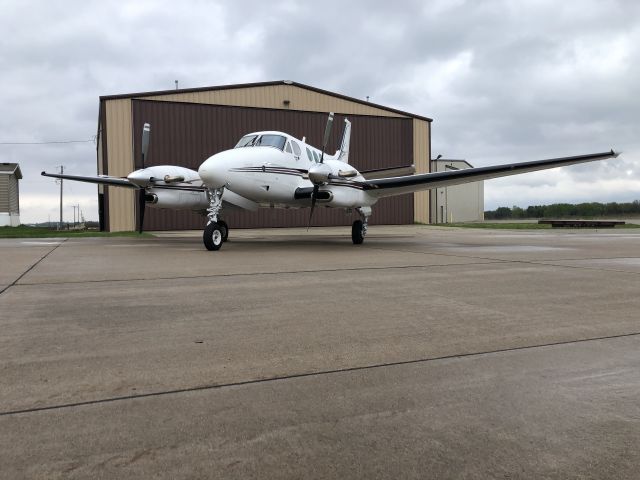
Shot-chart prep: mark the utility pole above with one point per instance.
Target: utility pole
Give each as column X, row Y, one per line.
column 74, row 215
column 60, row 223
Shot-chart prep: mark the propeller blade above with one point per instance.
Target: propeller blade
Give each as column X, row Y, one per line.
column 146, row 132
column 314, row 197
column 327, row 132
column 141, row 206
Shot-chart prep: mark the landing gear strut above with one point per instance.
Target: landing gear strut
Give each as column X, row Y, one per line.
column 216, row 231
column 359, row 227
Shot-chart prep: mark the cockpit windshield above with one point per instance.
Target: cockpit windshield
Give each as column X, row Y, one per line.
column 246, row 141
column 277, row 141
column 267, row 140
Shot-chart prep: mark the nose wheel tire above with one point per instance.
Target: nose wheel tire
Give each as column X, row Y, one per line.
column 357, row 232
column 213, row 236
column 225, row 230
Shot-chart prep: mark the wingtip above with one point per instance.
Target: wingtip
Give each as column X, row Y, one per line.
column 615, row 154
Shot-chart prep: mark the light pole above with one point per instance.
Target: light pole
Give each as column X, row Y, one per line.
column 436, row 162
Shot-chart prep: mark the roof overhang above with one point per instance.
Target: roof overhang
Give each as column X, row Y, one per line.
column 10, row 169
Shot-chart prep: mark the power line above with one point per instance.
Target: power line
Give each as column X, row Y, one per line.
column 47, row 143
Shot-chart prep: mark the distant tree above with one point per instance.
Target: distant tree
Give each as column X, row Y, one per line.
column 562, row 210
column 517, row 212
column 612, row 209
column 502, row 213
column 535, row 211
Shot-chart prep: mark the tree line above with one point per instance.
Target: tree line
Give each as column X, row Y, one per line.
column 561, row 210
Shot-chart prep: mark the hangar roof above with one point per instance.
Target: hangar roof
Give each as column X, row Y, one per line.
column 444, row 161
column 263, row 84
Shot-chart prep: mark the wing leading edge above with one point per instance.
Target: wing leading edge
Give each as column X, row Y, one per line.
column 99, row 179
column 384, row 187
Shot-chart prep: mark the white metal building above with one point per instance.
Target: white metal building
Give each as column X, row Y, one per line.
column 9, row 194
column 460, row 203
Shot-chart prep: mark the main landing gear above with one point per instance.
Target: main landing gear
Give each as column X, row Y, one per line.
column 359, row 227
column 217, row 231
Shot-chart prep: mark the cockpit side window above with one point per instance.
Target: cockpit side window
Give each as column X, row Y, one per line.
column 246, row 141
column 288, row 148
column 269, row 140
column 296, row 149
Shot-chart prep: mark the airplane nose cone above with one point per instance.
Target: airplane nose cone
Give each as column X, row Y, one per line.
column 212, row 172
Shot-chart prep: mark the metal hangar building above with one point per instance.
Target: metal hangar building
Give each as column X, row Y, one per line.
column 189, row 125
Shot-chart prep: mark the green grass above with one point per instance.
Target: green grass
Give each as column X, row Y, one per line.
column 39, row 232
column 515, row 226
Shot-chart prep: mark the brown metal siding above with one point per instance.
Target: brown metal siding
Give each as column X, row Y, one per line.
column 186, row 134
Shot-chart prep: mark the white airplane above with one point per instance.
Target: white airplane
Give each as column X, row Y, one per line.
column 275, row 170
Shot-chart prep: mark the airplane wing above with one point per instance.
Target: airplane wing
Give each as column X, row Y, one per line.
column 99, row 179
column 388, row 172
column 385, row 187
column 229, row 197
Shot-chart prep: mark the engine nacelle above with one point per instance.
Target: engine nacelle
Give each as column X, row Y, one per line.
column 179, row 199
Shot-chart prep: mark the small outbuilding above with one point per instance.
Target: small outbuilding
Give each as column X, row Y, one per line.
column 10, row 174
column 459, row 203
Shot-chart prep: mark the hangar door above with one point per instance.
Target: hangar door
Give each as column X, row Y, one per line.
column 186, row 134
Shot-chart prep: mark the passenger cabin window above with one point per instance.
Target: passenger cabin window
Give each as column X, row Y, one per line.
column 269, row 140
column 315, row 155
column 309, row 155
column 246, row 141
column 288, row 148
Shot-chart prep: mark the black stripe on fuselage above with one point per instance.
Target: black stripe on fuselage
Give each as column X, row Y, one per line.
column 266, row 169
column 300, row 173
column 178, row 187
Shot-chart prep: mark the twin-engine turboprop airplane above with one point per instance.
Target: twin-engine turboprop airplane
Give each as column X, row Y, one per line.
column 273, row 169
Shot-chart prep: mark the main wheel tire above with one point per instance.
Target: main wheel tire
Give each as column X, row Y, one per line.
column 225, row 230
column 357, row 233
column 212, row 236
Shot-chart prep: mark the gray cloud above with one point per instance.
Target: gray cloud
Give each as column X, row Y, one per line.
column 504, row 81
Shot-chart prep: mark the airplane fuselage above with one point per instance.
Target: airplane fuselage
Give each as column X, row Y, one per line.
column 269, row 175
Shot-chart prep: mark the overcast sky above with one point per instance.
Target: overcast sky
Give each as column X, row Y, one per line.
column 504, row 81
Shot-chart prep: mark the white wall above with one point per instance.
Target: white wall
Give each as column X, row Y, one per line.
column 9, row 219
column 460, row 203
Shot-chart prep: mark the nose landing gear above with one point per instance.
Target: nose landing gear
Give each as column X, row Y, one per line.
column 217, row 231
